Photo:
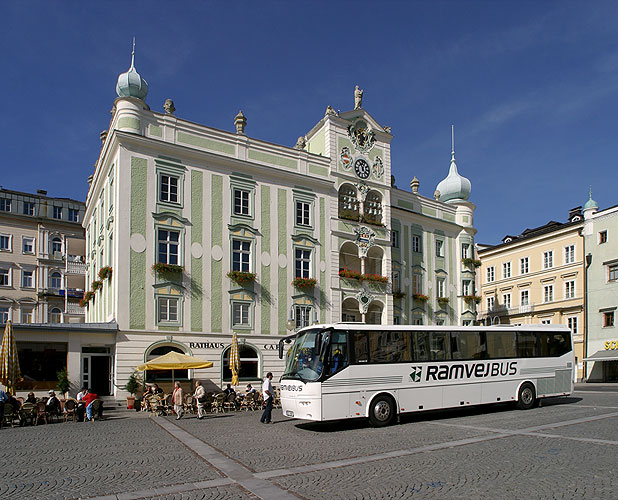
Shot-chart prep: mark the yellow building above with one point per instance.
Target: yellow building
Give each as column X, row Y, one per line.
column 536, row 277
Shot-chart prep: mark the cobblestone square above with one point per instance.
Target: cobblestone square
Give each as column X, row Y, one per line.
column 566, row 449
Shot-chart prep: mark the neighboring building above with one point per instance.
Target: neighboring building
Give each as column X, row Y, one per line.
column 601, row 251
column 198, row 233
column 537, row 277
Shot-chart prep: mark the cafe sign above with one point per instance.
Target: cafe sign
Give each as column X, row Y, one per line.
column 611, row 345
column 223, row 345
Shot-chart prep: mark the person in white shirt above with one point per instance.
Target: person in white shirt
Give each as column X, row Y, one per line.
column 81, row 394
column 268, row 394
column 200, row 397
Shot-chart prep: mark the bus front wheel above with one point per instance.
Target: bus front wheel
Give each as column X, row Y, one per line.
column 382, row 411
column 527, row 397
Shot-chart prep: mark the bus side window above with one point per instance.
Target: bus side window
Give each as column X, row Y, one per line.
column 501, row 345
column 526, row 344
column 421, row 346
column 361, row 350
column 468, row 345
column 439, row 346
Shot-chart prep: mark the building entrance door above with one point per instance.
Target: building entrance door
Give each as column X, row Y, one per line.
column 97, row 370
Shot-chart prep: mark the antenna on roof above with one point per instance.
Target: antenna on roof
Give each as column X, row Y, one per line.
column 453, row 139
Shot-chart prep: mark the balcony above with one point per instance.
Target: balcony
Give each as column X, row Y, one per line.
column 74, row 309
column 76, row 267
column 72, row 293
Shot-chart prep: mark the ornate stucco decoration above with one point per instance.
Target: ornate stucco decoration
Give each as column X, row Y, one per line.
column 363, row 189
column 378, row 167
column 361, row 136
column 365, row 239
column 346, row 158
column 364, row 297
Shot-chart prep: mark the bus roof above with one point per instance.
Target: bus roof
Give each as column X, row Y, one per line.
column 435, row 328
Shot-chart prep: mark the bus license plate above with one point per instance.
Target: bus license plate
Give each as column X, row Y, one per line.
column 289, row 413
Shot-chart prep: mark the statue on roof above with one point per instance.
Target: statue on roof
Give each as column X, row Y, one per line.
column 330, row 111
column 169, row 107
column 358, row 98
column 300, row 143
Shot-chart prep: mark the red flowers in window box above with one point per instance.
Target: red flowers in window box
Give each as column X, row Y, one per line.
column 304, row 283
column 162, row 268
column 97, row 285
column 420, row 297
column 105, row 273
column 241, row 277
column 355, row 275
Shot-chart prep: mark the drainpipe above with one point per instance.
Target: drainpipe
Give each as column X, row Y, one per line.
column 587, row 262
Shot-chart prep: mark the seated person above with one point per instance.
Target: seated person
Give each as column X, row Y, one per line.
column 15, row 403
column 88, row 399
column 30, row 398
column 250, row 389
column 52, row 406
column 155, row 389
column 228, row 390
column 81, row 394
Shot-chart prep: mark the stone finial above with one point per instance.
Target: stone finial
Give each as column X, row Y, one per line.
column 241, row 122
column 103, row 136
column 387, row 130
column 300, row 143
column 436, row 195
column 330, row 111
column 90, row 179
column 414, row 184
column 169, row 107
column 358, row 98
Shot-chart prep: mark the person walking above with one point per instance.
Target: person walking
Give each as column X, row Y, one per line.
column 177, row 400
column 269, row 395
column 200, row 397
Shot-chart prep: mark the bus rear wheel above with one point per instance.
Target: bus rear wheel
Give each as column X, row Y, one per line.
column 527, row 396
column 382, row 411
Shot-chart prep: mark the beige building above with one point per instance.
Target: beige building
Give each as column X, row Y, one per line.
column 536, row 277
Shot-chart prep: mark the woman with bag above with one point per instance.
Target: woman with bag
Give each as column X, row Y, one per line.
column 177, row 400
column 200, row 397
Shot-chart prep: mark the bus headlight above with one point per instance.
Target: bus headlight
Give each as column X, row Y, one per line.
column 304, row 403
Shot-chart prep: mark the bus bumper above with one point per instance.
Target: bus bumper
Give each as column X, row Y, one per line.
column 302, row 408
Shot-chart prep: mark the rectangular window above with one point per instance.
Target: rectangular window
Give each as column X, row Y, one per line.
column 5, row 277
column 554, row 344
column 28, row 208
column 548, row 259
column 569, row 254
column 602, row 237
column 569, row 289
column 501, row 345
column 5, row 205
column 524, row 298
column 524, row 267
column 441, row 287
column 168, row 310
column 4, row 315
column 468, row 345
column 167, row 246
column 506, row 300
column 303, row 211
column 303, row 263
column 490, row 303
column 526, row 344
column 439, row 248
column 168, row 188
column 465, row 287
column 506, row 269
column 439, row 346
column 389, row 347
column 26, row 279
column 302, row 316
column 490, row 274
column 395, row 281
column 416, row 244
column 612, row 272
column 28, row 245
column 240, row 314
column 241, row 255
column 27, row 316
column 465, row 251
column 57, row 212
column 608, row 319
column 546, row 321
column 5, row 242
column 73, row 215
column 417, row 321
column 548, row 293
column 417, row 283
column 572, row 323
column 395, row 238
column 241, row 202
column 361, row 347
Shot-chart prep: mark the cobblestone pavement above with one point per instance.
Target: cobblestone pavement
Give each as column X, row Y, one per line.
column 566, row 449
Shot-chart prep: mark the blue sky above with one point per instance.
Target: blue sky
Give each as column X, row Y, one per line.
column 531, row 87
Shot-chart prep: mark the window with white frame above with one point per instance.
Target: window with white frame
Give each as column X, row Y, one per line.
column 506, row 300
column 466, row 289
column 28, row 208
column 602, row 237
column 167, row 246
column 572, row 324
column 569, row 254
column 167, row 310
column 417, row 321
column 548, row 259
column 439, row 248
column 5, row 276
column 4, row 314
column 5, row 205
column 241, row 255
column 395, row 281
column 612, row 272
column 417, row 283
column 491, row 276
column 73, row 215
column 302, row 316
column 56, row 245
column 27, row 280
column 27, row 315
column 395, row 238
column 303, row 213
column 524, row 265
column 546, row 321
column 490, row 301
column 416, row 244
column 57, row 212
column 608, row 319
column 441, row 288
column 302, row 258
column 524, row 297
column 548, row 293
column 27, row 245
column 55, row 315
column 466, row 322
column 465, row 250
column 240, row 314
column 5, row 242
column 168, row 188
column 569, row 289
column 506, row 270
column 55, row 280
column 242, row 199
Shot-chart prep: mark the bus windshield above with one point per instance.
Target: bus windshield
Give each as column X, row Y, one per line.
column 306, row 356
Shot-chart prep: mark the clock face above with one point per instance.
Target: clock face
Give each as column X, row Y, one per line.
column 361, row 167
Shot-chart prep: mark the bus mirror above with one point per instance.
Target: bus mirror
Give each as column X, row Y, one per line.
column 317, row 350
column 281, row 349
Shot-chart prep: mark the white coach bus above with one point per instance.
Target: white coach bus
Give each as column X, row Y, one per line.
column 352, row 370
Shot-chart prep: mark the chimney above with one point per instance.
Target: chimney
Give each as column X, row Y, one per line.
column 42, row 192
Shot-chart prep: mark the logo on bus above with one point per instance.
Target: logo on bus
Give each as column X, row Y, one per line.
column 417, row 372
column 471, row 370
column 297, row 388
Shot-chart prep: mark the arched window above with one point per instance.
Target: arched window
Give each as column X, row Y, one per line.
column 165, row 375
column 348, row 202
column 348, row 257
column 55, row 315
column 350, row 311
column 372, row 208
column 56, row 245
column 374, row 314
column 55, row 280
column 373, row 263
column 249, row 364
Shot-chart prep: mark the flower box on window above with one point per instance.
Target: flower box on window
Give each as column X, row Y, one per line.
column 420, row 297
column 304, row 283
column 376, row 278
column 471, row 262
column 83, row 302
column 443, row 301
column 162, row 268
column 398, row 294
column 472, row 298
column 349, row 273
column 105, row 273
column 88, row 296
column 241, row 277
column 97, row 285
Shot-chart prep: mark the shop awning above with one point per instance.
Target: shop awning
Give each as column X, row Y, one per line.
column 174, row 361
column 603, row 356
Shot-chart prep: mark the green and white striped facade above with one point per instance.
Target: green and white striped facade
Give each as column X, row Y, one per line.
column 125, row 215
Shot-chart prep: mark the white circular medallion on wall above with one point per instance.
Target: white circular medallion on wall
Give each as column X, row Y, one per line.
column 265, row 259
column 283, row 261
column 322, row 266
column 138, row 242
column 217, row 253
column 406, row 281
column 196, row 250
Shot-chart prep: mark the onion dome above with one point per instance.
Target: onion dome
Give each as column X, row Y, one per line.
column 454, row 187
column 131, row 84
column 591, row 204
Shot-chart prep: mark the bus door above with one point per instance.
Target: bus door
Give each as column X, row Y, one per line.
column 335, row 397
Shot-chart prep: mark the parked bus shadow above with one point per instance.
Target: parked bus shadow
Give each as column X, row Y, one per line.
column 431, row 415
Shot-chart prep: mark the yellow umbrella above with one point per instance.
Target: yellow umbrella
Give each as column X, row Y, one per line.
column 174, row 361
column 10, row 373
column 234, row 359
